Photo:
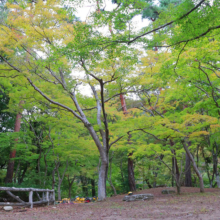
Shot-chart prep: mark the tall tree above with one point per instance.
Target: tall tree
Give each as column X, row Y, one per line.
column 40, row 71
column 10, row 169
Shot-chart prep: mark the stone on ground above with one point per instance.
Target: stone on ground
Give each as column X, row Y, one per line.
column 138, row 197
column 168, row 191
column 8, row 208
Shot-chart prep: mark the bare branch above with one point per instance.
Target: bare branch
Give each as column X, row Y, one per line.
column 54, row 102
column 115, row 141
column 10, row 64
column 142, row 129
column 211, row 70
column 167, row 24
column 179, row 57
column 202, row 90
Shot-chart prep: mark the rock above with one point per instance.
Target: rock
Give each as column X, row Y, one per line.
column 8, row 208
column 168, row 191
column 138, row 197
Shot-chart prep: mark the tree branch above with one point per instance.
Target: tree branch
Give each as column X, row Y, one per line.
column 115, row 141
column 165, row 25
column 55, row 103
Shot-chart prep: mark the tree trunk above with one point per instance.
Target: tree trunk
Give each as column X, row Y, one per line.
column 84, row 183
column 195, row 167
column 176, row 172
column 172, row 179
column 148, row 183
column 123, row 104
column 70, row 182
column 206, row 159
column 93, row 187
column 155, row 180
column 188, row 175
column 215, row 164
column 70, row 187
column 16, row 172
column 45, row 172
column 53, row 177
column 102, row 180
column 175, row 169
column 121, row 169
column 59, row 190
column 21, row 177
column 110, row 175
column 131, row 178
column 60, row 178
column 177, row 178
column 10, row 169
column 178, row 188
column 218, row 180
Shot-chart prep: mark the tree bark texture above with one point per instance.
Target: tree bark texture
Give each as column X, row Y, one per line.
column 215, row 164
column 102, row 180
column 110, row 175
column 148, row 183
column 70, row 183
column 131, row 178
column 59, row 190
column 176, row 172
column 93, row 187
column 188, row 175
column 123, row 104
column 172, row 179
column 195, row 167
column 84, row 182
column 175, row 168
column 60, row 178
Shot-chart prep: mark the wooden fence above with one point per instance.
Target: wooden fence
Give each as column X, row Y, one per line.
column 48, row 196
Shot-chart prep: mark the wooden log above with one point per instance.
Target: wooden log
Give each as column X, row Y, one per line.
column 38, row 196
column 39, row 202
column 15, row 197
column 43, row 196
column 22, row 204
column 13, row 204
column 24, row 189
column 31, row 199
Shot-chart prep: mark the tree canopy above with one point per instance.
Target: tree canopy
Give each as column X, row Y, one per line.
column 84, row 103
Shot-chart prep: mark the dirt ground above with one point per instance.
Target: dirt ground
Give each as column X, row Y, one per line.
column 189, row 205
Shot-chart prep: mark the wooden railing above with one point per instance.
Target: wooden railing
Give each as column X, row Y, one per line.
column 48, row 196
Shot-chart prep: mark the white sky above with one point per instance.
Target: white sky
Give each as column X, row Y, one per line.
column 84, row 11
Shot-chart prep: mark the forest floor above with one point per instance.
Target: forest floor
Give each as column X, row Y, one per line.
column 189, row 205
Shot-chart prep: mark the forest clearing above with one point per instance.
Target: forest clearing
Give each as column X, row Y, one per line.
column 189, row 205
column 102, row 97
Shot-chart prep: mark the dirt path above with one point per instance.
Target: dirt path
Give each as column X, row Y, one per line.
column 190, row 205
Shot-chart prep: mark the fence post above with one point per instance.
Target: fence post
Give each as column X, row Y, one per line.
column 47, row 197
column 54, row 198
column 31, row 198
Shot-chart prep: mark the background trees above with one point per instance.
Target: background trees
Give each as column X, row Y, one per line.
column 72, row 140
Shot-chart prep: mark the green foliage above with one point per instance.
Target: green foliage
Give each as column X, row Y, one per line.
column 47, row 54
